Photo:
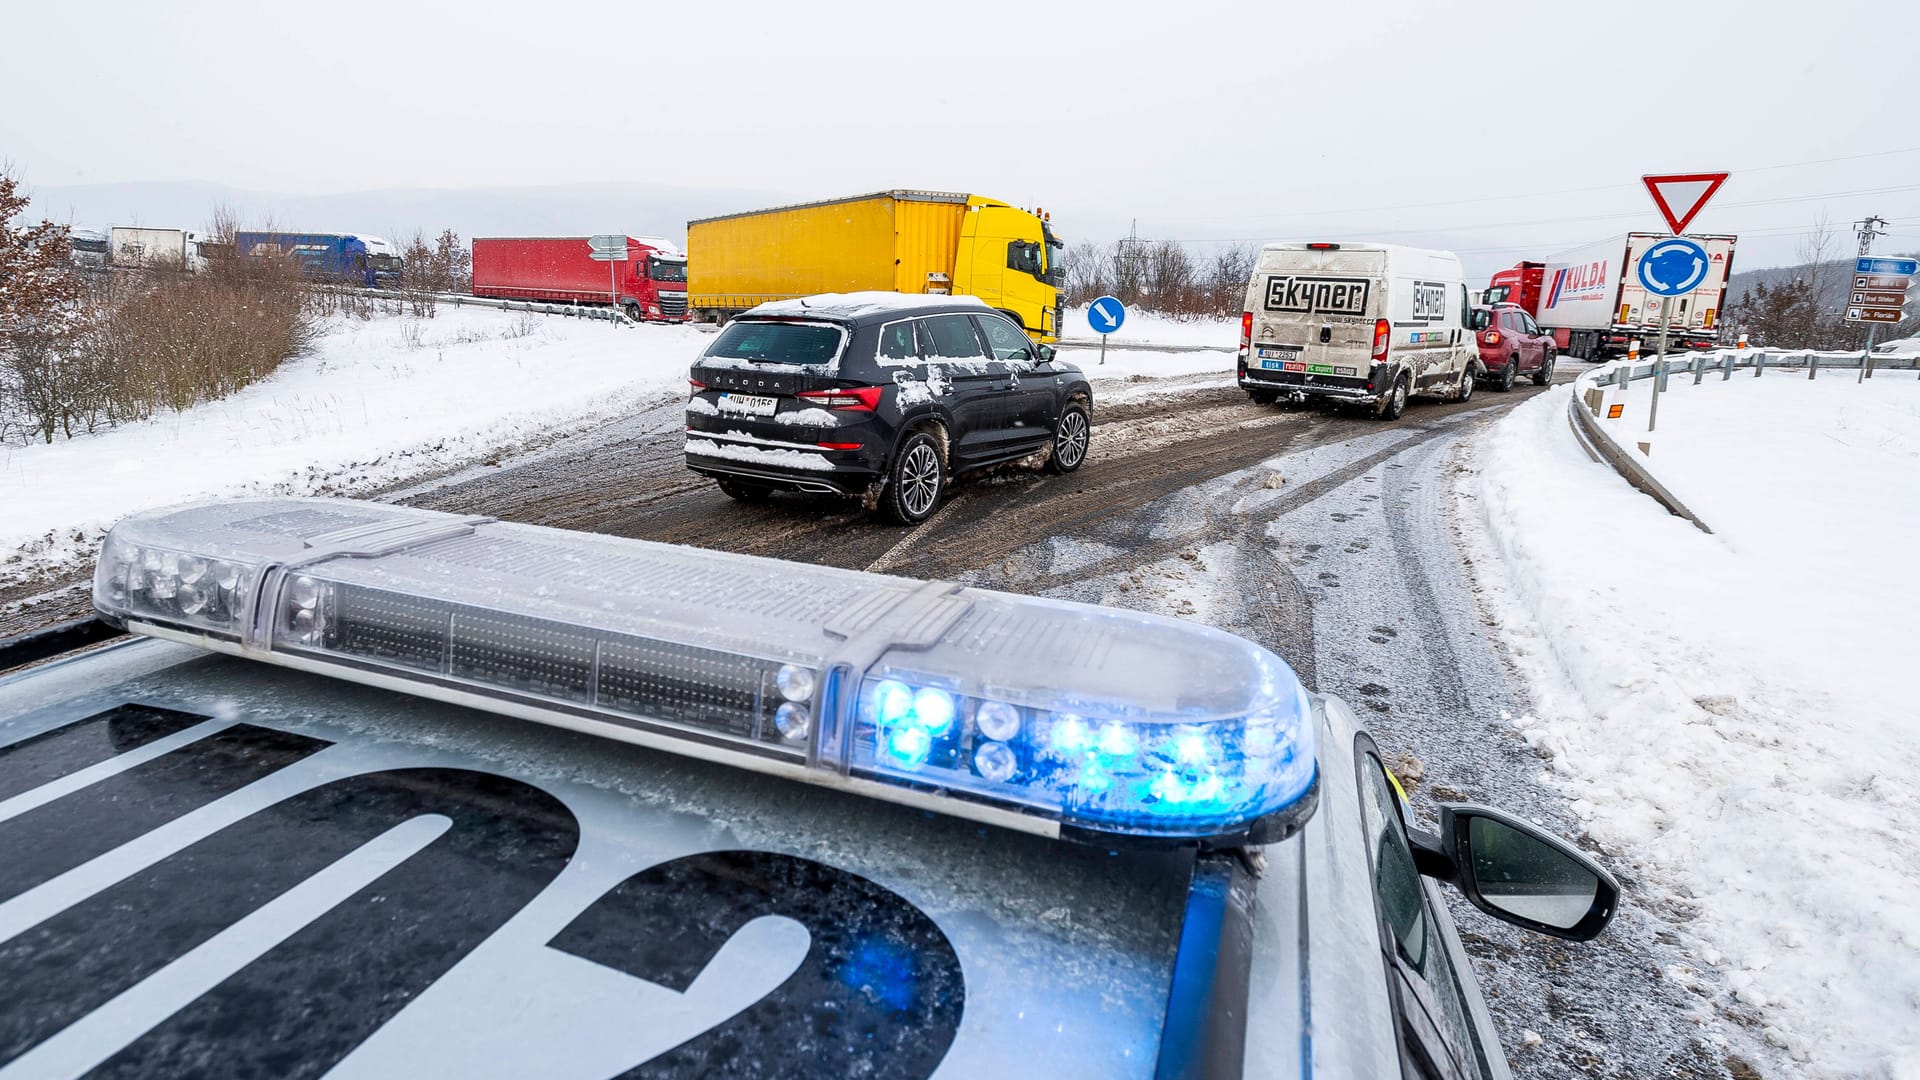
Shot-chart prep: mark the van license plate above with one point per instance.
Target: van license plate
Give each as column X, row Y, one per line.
column 1273, row 352
column 750, row 404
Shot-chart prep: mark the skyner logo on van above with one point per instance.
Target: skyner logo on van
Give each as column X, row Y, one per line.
column 1429, row 301
column 1317, row 295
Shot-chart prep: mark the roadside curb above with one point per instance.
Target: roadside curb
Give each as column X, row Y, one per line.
column 1595, row 439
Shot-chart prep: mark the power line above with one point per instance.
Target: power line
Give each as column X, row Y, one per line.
column 1571, row 191
column 1622, row 215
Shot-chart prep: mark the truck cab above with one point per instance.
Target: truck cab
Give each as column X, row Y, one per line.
column 1518, row 284
column 1012, row 257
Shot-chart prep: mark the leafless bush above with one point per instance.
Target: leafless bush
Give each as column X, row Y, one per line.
column 526, row 325
column 441, row 266
column 177, row 340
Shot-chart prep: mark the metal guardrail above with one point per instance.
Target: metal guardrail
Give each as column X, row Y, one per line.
column 1603, row 440
column 539, row 307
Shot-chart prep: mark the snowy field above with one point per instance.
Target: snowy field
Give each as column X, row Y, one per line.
column 379, row 400
column 383, row 400
column 1728, row 713
column 1147, row 328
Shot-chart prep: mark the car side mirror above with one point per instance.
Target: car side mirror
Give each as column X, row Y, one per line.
column 1518, row 873
column 1043, row 353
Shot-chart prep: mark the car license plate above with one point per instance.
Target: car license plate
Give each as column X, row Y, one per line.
column 1274, row 352
column 749, row 404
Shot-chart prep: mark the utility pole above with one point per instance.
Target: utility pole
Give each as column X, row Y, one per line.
column 1130, row 259
column 1869, row 229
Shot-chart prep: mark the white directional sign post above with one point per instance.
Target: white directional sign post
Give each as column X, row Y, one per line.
column 1677, row 266
column 1879, row 295
column 612, row 250
column 1106, row 315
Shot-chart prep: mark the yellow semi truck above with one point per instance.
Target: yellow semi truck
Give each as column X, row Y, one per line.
column 934, row 242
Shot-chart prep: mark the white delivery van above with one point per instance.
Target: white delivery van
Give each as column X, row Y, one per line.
column 1371, row 324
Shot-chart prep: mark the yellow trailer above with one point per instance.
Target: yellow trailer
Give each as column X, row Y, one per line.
column 933, row 242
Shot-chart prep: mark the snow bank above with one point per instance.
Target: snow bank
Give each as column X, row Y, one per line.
column 1728, row 714
column 1132, row 365
column 377, row 401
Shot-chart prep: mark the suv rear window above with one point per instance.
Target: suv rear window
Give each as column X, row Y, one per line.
column 776, row 342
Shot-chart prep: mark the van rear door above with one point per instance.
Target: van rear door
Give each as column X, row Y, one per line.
column 1313, row 313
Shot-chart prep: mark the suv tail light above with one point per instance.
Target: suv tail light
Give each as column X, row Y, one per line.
column 1493, row 337
column 696, row 385
column 1382, row 333
column 854, row 398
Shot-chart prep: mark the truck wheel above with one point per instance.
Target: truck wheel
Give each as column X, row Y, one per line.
column 1508, row 374
column 915, row 482
column 1070, row 438
column 1393, row 403
column 745, row 491
column 1545, row 374
column 631, row 308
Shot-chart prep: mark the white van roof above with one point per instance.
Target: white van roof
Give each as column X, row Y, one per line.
column 1344, row 245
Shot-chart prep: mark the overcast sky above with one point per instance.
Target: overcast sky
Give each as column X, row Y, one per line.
column 1470, row 126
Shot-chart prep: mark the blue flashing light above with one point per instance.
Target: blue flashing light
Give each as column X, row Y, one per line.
column 1070, row 738
column 909, row 745
column 933, row 710
column 1118, row 740
column 892, row 701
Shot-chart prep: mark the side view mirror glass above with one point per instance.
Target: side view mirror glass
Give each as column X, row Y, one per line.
column 1043, row 353
column 1521, row 874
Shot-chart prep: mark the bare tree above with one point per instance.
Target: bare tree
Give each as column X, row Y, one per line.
column 42, row 386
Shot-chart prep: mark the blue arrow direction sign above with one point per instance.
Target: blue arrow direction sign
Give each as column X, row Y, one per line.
column 1867, row 264
column 1673, row 267
column 1106, row 315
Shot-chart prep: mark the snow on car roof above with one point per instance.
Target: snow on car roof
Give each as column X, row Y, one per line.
column 855, row 304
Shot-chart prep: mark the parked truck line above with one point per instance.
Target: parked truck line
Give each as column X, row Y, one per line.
column 649, row 285
column 368, row 262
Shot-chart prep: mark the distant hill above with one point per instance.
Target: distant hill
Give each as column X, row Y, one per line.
column 1836, row 278
column 557, row 210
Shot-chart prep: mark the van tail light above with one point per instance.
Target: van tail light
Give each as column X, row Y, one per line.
column 1246, row 334
column 1382, row 333
column 852, row 398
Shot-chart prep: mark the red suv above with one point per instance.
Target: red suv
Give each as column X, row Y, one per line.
column 1512, row 345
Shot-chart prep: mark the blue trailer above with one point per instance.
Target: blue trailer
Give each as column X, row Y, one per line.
column 339, row 257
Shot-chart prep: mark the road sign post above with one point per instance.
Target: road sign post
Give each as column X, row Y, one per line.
column 610, row 249
column 1879, row 295
column 1106, row 315
column 1673, row 267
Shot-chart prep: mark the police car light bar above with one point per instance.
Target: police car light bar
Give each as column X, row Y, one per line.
column 1051, row 717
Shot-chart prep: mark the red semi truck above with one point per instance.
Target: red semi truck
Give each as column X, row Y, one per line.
column 1592, row 303
column 650, row 285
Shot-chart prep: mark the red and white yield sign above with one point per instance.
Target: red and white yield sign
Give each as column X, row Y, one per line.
column 1681, row 195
